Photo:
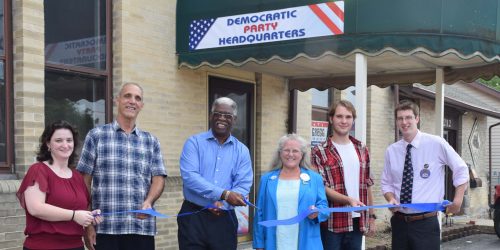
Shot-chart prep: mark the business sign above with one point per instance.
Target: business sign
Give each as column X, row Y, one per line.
column 319, row 133
column 77, row 52
column 316, row 20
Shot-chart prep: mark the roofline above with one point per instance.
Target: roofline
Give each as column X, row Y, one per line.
column 450, row 101
column 485, row 89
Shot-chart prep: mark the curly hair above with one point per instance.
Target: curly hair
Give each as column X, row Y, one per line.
column 43, row 153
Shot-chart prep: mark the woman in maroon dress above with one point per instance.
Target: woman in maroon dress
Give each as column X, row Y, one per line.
column 54, row 195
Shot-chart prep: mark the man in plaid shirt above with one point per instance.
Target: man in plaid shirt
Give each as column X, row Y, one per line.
column 124, row 166
column 344, row 163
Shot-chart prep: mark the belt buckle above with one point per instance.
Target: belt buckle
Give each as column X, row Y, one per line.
column 407, row 218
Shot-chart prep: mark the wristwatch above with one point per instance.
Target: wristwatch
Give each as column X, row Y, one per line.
column 372, row 216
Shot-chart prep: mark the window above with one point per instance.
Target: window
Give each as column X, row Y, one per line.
column 320, row 104
column 319, row 115
column 77, row 99
column 77, row 71
column 6, row 136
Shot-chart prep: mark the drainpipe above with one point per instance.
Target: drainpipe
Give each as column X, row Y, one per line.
column 396, row 102
column 490, row 163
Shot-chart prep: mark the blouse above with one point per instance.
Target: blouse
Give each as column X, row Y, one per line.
column 68, row 193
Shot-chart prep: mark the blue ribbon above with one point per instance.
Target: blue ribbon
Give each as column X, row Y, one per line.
column 422, row 207
column 152, row 212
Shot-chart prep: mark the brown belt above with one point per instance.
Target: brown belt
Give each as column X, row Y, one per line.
column 414, row 217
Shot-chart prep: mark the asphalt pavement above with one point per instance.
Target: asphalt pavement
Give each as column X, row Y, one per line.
column 475, row 241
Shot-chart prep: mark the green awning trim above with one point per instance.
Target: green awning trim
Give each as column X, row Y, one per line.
column 370, row 45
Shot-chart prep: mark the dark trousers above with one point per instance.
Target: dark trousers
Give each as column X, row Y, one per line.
column 342, row 241
column 205, row 230
column 416, row 235
column 124, row 242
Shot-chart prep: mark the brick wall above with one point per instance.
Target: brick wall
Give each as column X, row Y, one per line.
column 272, row 119
column 12, row 219
column 28, row 45
column 477, row 197
column 380, row 134
column 304, row 114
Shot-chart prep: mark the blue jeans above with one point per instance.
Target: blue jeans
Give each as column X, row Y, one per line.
column 342, row 241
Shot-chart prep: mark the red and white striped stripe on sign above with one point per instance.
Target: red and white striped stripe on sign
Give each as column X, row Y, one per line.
column 331, row 14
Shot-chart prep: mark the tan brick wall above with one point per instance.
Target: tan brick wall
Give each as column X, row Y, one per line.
column 272, row 119
column 12, row 216
column 477, row 197
column 28, row 45
column 380, row 134
column 304, row 114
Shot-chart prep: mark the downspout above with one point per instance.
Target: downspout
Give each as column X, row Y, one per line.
column 490, row 163
column 396, row 102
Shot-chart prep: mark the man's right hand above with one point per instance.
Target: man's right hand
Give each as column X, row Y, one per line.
column 90, row 237
column 235, row 199
column 393, row 201
column 355, row 203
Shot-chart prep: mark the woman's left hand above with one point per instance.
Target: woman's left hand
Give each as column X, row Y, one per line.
column 313, row 215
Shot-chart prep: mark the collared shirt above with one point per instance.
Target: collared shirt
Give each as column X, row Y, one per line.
column 429, row 152
column 326, row 159
column 122, row 166
column 208, row 168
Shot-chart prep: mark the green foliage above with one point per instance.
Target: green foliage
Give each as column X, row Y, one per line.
column 493, row 83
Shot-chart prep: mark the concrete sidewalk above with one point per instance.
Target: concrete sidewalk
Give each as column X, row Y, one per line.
column 454, row 228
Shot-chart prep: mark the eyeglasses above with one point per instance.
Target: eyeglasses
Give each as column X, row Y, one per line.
column 291, row 151
column 405, row 118
column 226, row 116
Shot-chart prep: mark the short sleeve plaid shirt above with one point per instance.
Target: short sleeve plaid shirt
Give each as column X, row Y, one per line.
column 326, row 159
column 122, row 166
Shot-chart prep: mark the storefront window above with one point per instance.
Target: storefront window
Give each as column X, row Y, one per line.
column 319, row 120
column 3, row 104
column 75, row 33
column 77, row 75
column 78, row 99
column 6, row 138
column 2, row 35
column 320, row 98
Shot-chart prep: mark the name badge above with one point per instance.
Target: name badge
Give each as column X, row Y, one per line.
column 425, row 173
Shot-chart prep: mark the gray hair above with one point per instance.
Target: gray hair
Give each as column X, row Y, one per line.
column 225, row 101
column 304, row 147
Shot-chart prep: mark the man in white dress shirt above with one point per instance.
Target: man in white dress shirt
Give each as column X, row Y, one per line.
column 414, row 172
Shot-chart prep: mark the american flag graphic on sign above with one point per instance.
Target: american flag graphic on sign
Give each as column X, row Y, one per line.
column 197, row 31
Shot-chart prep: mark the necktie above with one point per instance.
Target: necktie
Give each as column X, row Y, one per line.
column 407, row 184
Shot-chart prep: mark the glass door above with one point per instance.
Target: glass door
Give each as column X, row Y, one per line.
column 243, row 94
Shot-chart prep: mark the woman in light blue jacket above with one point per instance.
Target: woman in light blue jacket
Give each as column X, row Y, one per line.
column 285, row 192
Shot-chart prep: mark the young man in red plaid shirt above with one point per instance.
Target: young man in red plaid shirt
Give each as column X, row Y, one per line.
column 344, row 163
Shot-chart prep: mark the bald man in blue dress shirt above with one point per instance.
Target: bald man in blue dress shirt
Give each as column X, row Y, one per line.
column 216, row 170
